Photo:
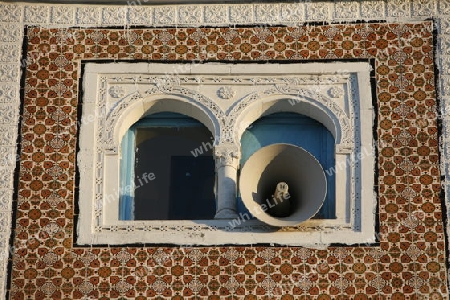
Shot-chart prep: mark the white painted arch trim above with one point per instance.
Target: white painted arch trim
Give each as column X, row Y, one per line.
column 141, row 107
column 297, row 104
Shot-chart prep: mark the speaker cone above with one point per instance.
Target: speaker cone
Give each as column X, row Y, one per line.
column 283, row 185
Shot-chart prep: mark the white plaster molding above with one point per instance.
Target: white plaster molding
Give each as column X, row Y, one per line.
column 8, row 93
column 444, row 7
column 8, row 135
column 11, row 12
column 216, row 14
column 292, row 12
column 260, row 90
column 299, row 89
column 63, row 15
column 8, row 114
column 6, row 178
column 220, row 14
column 10, row 33
column 88, row 16
column 424, row 7
column 5, row 202
column 373, row 9
column 138, row 15
column 346, row 9
column 8, row 158
column 190, row 14
column 267, row 13
column 165, row 15
column 316, row 11
column 10, row 73
column 37, row 14
column 11, row 37
column 114, row 16
column 10, row 53
column 399, row 8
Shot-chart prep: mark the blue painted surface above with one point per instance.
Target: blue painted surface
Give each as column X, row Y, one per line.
column 126, row 200
column 298, row 130
column 164, row 119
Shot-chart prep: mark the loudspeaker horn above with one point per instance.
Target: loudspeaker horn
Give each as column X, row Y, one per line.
column 282, row 185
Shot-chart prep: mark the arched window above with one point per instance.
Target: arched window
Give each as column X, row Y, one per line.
column 152, row 177
column 167, row 170
column 299, row 130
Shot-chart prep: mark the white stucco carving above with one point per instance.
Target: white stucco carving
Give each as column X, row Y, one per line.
column 193, row 91
column 225, row 92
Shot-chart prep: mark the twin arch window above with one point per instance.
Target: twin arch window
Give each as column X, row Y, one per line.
column 167, row 159
column 164, row 159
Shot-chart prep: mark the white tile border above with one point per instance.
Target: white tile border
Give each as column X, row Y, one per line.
column 50, row 15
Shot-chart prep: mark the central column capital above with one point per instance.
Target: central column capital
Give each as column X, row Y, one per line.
column 227, row 154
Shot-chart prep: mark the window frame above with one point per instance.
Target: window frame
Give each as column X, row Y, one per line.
column 314, row 88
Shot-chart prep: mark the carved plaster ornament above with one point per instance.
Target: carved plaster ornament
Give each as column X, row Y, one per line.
column 227, row 155
column 281, row 206
column 226, row 92
column 335, row 92
column 116, row 91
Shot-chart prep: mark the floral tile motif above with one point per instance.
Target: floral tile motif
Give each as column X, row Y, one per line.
column 408, row 262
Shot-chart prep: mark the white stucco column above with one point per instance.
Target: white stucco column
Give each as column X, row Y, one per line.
column 227, row 161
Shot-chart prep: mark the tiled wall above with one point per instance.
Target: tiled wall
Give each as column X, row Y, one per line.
column 408, row 263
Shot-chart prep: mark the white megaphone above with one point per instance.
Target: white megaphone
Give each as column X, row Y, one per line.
column 282, row 185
